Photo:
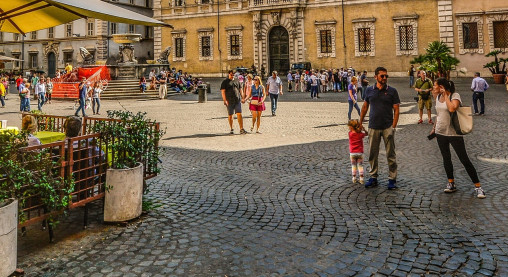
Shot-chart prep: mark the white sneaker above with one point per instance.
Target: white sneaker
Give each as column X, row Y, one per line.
column 479, row 192
column 450, row 188
column 354, row 180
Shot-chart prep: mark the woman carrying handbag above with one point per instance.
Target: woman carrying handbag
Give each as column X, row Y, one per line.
column 447, row 102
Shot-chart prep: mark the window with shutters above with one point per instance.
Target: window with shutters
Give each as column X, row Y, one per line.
column 500, row 34
column 406, row 37
column 33, row 35
column 205, row 46
column 179, row 47
column 326, row 41
column 235, row 45
column 51, row 32
column 470, row 35
column 68, row 30
column 364, row 40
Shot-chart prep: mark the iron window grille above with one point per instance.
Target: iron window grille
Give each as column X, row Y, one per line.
column 179, row 47
column 326, row 41
column 235, row 45
column 500, row 34
column 205, row 46
column 406, row 37
column 204, row 2
column 364, row 40
column 470, row 35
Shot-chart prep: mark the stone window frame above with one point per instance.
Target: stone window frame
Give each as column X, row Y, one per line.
column 205, row 32
column 365, row 23
column 230, row 31
column 328, row 25
column 460, row 19
column 183, row 35
column 492, row 16
column 410, row 20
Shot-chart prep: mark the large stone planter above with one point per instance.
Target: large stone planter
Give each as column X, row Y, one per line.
column 124, row 196
column 8, row 237
column 498, row 78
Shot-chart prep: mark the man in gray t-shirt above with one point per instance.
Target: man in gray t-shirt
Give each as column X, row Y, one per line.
column 274, row 87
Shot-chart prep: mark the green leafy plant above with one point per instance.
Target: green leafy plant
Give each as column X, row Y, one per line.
column 495, row 66
column 31, row 175
column 437, row 60
column 132, row 139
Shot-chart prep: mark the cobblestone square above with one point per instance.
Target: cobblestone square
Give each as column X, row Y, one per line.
column 281, row 203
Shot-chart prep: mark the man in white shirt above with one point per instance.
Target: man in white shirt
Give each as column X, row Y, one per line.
column 313, row 85
column 290, row 82
column 274, row 88
column 40, row 91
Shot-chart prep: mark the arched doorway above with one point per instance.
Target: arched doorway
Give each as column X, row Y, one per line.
column 51, row 64
column 279, row 50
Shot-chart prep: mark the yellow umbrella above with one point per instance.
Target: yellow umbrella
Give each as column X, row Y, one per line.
column 23, row 16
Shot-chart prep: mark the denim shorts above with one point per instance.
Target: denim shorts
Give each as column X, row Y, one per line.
column 235, row 108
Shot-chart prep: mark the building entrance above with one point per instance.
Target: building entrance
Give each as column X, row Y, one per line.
column 51, row 64
column 278, row 41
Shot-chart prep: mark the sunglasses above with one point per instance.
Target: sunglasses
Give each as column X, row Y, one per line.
column 383, row 76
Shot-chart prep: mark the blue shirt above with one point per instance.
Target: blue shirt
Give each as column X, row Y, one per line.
column 381, row 106
column 257, row 92
column 479, row 85
column 83, row 91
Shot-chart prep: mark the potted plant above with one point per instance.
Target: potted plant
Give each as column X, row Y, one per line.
column 131, row 142
column 497, row 67
column 437, row 60
column 25, row 175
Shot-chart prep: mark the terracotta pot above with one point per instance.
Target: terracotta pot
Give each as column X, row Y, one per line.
column 498, row 78
column 8, row 236
column 124, row 198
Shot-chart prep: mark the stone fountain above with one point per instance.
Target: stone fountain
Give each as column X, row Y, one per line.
column 127, row 61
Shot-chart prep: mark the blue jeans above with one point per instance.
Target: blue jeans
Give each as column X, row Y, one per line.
column 364, row 89
column 98, row 102
column 273, row 99
column 40, row 102
column 477, row 95
column 26, row 104
column 81, row 107
column 313, row 91
column 336, row 86
column 411, row 81
column 2, row 100
column 351, row 105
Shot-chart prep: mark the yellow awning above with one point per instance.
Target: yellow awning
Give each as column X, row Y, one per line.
column 23, row 16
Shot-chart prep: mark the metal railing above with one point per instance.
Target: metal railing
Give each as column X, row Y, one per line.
column 259, row 3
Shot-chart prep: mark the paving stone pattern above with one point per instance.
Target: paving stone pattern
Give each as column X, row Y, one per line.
column 292, row 211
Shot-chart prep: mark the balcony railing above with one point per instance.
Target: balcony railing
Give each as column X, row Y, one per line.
column 263, row 3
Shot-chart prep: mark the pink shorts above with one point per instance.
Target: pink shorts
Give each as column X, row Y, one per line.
column 258, row 108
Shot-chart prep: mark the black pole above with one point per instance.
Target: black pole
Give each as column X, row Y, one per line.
column 22, row 54
column 344, row 34
column 218, row 38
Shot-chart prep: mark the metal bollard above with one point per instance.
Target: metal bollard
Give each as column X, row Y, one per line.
column 202, row 94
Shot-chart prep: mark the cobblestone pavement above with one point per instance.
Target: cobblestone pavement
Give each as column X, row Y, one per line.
column 288, row 208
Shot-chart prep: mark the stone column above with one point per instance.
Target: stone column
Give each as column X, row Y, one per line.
column 102, row 39
column 445, row 15
column 157, row 31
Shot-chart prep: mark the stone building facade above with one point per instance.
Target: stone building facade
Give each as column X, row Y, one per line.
column 50, row 49
column 473, row 29
column 273, row 34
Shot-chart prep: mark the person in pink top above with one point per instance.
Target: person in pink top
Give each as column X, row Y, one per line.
column 356, row 135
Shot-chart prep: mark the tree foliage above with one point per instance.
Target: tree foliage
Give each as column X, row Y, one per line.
column 437, row 60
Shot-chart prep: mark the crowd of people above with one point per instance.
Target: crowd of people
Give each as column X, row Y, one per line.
column 181, row 82
column 382, row 103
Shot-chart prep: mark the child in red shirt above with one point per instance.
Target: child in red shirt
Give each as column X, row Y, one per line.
column 356, row 135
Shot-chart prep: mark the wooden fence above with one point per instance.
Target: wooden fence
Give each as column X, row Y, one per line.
column 84, row 158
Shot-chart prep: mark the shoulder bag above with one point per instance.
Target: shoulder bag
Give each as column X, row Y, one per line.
column 260, row 95
column 462, row 120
